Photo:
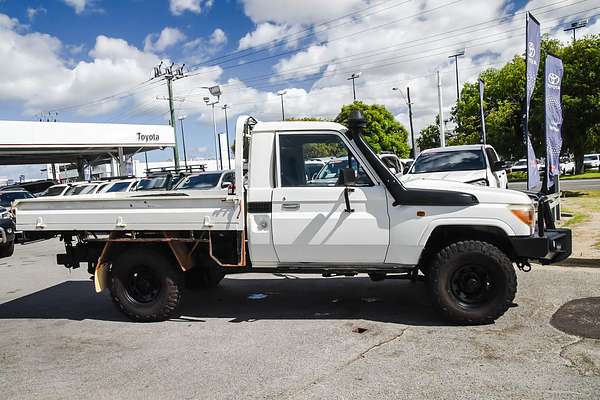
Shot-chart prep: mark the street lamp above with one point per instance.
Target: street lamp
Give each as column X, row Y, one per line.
column 225, row 107
column 282, row 93
column 217, row 144
column 413, row 150
column 352, row 78
column 582, row 23
column 181, row 118
column 459, row 53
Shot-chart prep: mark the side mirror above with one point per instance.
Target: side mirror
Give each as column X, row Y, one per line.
column 348, row 177
column 226, row 185
column 499, row 166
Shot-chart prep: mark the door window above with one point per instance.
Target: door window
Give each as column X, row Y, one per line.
column 295, row 151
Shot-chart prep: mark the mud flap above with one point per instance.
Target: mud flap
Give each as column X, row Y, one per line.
column 101, row 277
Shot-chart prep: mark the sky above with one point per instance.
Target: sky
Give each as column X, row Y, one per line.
column 92, row 60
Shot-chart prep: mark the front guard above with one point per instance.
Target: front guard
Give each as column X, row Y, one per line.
column 549, row 244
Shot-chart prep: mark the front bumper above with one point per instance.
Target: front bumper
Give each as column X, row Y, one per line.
column 553, row 247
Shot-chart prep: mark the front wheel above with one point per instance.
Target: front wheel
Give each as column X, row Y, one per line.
column 7, row 250
column 472, row 282
column 146, row 285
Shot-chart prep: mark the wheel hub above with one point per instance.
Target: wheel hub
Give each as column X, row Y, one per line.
column 472, row 285
column 143, row 285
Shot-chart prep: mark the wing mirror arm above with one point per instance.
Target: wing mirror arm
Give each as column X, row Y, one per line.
column 348, row 179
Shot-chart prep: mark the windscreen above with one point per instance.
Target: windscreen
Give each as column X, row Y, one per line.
column 118, row 187
column 448, row 161
column 201, row 181
column 54, row 191
column 159, row 182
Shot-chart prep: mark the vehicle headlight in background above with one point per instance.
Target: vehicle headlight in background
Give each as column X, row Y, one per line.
column 479, row 182
column 525, row 213
column 6, row 215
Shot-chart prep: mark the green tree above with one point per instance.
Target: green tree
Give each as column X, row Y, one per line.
column 429, row 137
column 385, row 133
column 581, row 97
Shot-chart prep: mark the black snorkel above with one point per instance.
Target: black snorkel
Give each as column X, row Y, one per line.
column 402, row 196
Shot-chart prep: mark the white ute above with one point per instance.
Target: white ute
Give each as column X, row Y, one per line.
column 464, row 239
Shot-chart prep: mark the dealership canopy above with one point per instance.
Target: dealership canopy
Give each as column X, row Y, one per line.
column 27, row 142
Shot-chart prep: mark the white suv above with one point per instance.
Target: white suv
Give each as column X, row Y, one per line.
column 476, row 164
column 591, row 161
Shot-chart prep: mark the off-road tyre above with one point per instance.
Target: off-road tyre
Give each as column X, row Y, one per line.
column 164, row 278
column 7, row 250
column 202, row 277
column 451, row 275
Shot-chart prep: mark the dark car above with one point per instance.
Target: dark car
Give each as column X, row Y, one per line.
column 7, row 233
column 7, row 197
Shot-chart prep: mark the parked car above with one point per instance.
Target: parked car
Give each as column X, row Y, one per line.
column 476, row 164
column 521, row 165
column 312, row 168
column 591, row 161
column 567, row 166
column 329, row 175
column 122, row 185
column 215, row 180
column 55, row 190
column 392, row 162
column 7, row 233
column 79, row 188
column 7, row 197
column 407, row 163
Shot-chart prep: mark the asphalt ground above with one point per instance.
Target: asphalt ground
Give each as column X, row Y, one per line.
column 261, row 336
column 567, row 184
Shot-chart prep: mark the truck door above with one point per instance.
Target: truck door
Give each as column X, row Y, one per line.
column 310, row 220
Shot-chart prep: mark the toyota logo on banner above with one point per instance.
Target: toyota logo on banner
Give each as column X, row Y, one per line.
column 531, row 51
column 553, row 79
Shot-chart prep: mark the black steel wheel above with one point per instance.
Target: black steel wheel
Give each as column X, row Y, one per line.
column 472, row 282
column 146, row 285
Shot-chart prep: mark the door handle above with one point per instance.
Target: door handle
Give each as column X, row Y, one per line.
column 290, row 206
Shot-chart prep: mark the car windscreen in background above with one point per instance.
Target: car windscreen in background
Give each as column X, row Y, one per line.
column 447, row 161
column 202, row 181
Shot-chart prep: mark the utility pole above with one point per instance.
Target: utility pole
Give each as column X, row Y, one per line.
column 282, row 93
column 225, row 107
column 459, row 53
column 170, row 74
column 181, row 119
column 441, row 111
column 413, row 150
column 352, row 78
column 582, row 23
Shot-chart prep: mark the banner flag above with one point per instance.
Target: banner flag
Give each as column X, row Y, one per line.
column 481, row 89
column 532, row 61
column 553, row 78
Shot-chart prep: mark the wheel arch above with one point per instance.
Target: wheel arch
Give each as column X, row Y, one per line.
column 444, row 235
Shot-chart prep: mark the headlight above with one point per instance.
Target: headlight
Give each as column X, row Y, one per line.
column 5, row 215
column 479, row 182
column 525, row 214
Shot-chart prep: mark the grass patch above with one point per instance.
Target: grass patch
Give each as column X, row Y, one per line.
column 585, row 175
column 577, row 218
column 522, row 176
column 597, row 245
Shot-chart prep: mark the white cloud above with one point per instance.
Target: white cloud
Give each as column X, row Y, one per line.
column 218, row 37
column 299, row 12
column 160, row 42
column 34, row 12
column 266, row 33
column 78, row 5
column 179, row 7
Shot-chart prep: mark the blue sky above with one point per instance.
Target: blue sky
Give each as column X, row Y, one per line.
column 63, row 54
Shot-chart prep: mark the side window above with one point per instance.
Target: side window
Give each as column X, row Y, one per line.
column 229, row 177
column 492, row 156
column 297, row 150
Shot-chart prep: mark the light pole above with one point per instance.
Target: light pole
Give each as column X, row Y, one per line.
column 582, row 23
column 352, row 78
column 413, row 151
column 181, row 118
column 217, row 144
column 225, row 107
column 459, row 53
column 282, row 93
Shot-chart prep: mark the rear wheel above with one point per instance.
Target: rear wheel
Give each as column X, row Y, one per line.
column 472, row 282
column 146, row 285
column 7, row 250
